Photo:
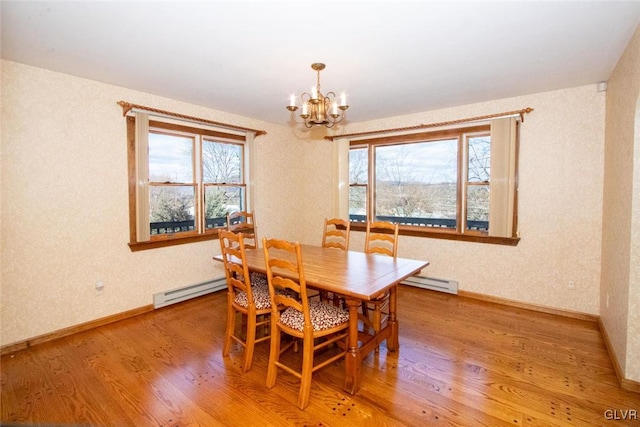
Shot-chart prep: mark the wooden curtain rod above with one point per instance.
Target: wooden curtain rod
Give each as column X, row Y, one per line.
column 521, row 113
column 126, row 107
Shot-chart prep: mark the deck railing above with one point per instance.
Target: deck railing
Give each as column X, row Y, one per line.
column 189, row 225
column 425, row 222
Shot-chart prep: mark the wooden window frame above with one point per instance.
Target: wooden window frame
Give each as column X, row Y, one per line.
column 201, row 233
column 462, row 134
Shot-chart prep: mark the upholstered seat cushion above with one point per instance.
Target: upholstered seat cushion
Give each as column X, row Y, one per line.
column 258, row 278
column 261, row 298
column 323, row 316
column 260, row 290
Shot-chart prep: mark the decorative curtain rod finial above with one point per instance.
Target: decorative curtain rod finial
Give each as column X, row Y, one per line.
column 523, row 112
column 126, row 107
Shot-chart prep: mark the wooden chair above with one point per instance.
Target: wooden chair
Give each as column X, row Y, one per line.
column 244, row 222
column 336, row 234
column 252, row 301
column 381, row 238
column 296, row 316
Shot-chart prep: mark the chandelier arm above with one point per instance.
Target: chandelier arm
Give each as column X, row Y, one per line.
column 295, row 116
column 337, row 119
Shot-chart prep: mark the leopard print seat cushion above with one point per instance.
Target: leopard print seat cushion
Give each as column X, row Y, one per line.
column 258, row 278
column 260, row 291
column 323, row 316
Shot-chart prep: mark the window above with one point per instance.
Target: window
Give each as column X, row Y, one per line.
column 184, row 180
column 478, row 168
column 436, row 184
column 358, row 182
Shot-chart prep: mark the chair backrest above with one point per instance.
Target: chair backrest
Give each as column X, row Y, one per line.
column 381, row 238
column 243, row 222
column 285, row 275
column 336, row 234
column 235, row 267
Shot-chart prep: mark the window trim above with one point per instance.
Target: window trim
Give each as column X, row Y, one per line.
column 220, row 136
column 464, row 183
column 460, row 132
column 409, row 230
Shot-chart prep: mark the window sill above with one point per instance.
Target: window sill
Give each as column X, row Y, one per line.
column 447, row 235
column 174, row 241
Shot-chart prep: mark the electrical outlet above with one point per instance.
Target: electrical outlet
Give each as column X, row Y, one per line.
column 571, row 285
column 99, row 287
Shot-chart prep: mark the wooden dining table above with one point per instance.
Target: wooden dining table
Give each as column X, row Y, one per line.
column 357, row 277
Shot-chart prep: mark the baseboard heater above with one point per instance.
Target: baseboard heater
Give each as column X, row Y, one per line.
column 173, row 296
column 432, row 283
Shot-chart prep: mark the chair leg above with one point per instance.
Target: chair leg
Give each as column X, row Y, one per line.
column 324, row 295
column 372, row 317
column 274, row 354
column 364, row 308
column 250, row 342
column 337, row 301
column 377, row 324
column 307, row 371
column 231, row 326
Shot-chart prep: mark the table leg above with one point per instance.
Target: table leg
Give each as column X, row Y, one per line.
column 352, row 358
column 393, row 342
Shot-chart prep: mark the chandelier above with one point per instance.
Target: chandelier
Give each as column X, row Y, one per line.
column 316, row 108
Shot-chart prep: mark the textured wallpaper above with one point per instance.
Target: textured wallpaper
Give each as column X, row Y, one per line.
column 620, row 292
column 65, row 205
column 631, row 64
column 560, row 205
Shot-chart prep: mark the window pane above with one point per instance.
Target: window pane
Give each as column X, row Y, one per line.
column 170, row 158
column 479, row 159
column 220, row 201
column 478, row 207
column 358, row 166
column 221, row 162
column 416, row 183
column 358, row 203
column 358, row 174
column 171, row 209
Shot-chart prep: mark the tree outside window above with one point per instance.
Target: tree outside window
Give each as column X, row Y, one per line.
column 440, row 181
column 194, row 181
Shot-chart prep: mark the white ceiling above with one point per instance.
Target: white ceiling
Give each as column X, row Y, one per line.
column 390, row 57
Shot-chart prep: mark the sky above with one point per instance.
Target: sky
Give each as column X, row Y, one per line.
column 428, row 162
column 170, row 156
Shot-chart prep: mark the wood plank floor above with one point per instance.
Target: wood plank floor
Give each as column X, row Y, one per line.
column 461, row 362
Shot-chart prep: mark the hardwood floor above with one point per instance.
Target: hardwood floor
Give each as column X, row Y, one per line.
column 461, row 362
